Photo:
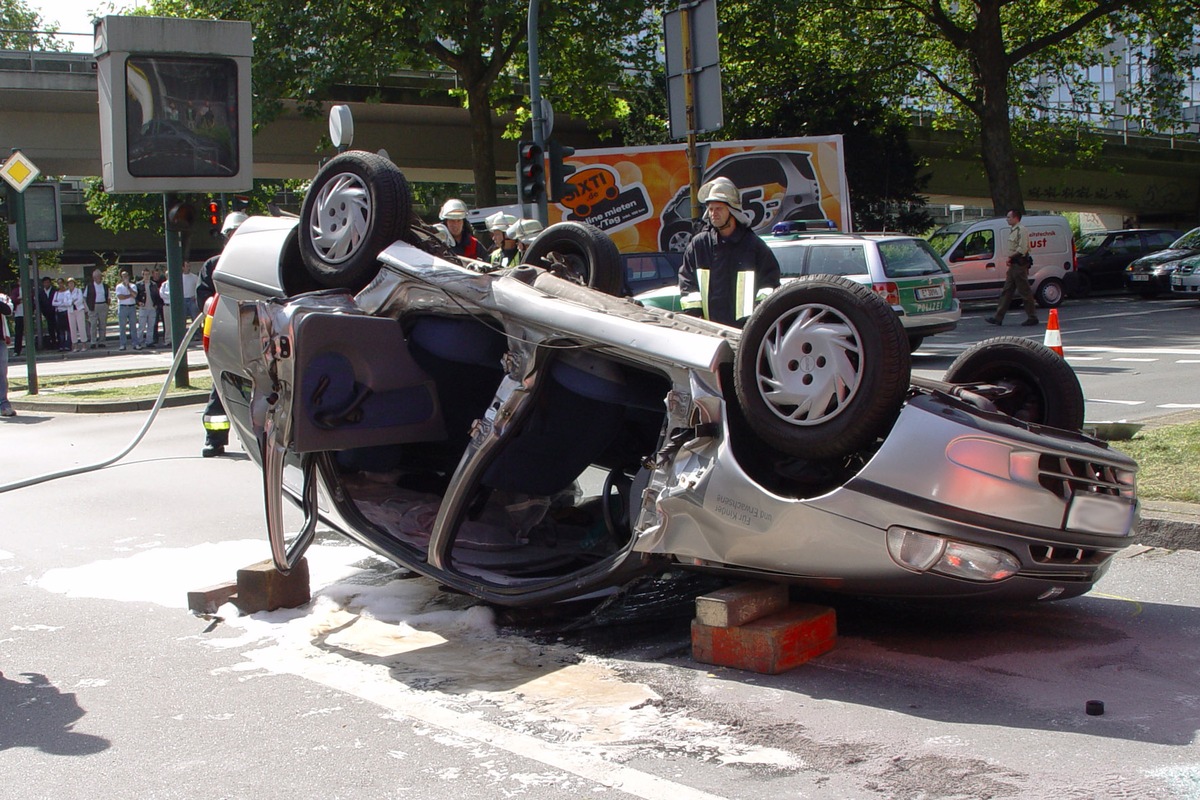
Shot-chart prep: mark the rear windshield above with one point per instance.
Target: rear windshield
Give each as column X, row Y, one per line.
column 907, row 258
column 1189, row 240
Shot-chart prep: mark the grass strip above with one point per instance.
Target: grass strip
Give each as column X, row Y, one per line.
column 1168, row 462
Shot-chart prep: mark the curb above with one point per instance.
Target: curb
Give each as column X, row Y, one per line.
column 1169, row 525
column 101, row 407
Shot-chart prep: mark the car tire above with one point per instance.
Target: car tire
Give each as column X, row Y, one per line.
column 1049, row 293
column 822, row 368
column 1043, row 389
column 914, row 342
column 357, row 205
column 585, row 255
column 676, row 236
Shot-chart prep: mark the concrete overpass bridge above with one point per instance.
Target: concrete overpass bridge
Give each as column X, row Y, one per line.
column 48, row 108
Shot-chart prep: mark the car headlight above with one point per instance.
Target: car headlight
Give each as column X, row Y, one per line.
column 925, row 552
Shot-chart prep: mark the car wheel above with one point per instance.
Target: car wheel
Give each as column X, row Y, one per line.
column 675, row 237
column 914, row 342
column 1050, row 293
column 358, row 204
column 1041, row 386
column 822, row 368
column 580, row 253
column 1079, row 284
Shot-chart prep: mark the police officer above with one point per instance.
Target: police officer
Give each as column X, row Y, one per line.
column 216, row 423
column 726, row 267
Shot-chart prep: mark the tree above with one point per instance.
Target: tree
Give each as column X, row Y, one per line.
column 304, row 49
column 993, row 62
column 23, row 28
column 774, row 87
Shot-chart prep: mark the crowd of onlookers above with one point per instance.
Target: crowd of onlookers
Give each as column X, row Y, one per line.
column 76, row 318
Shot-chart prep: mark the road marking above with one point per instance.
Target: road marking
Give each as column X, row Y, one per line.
column 1180, row 405
column 1117, row 402
column 1144, row 351
column 1138, row 360
column 1187, row 361
column 1083, row 358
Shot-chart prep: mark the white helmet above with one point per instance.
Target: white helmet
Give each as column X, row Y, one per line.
column 524, row 230
column 444, row 234
column 721, row 190
column 453, row 209
column 500, row 221
column 233, row 221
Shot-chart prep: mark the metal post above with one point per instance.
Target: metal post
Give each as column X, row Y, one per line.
column 535, row 100
column 16, row 201
column 695, row 169
column 175, row 289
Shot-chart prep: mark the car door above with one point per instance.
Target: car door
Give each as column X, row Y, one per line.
column 977, row 267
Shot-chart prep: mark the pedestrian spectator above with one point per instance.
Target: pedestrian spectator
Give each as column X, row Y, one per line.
column 164, row 292
column 148, row 300
column 454, row 215
column 523, row 232
column 76, row 317
column 96, row 297
column 1016, row 278
column 45, row 302
column 505, row 253
column 6, row 310
column 160, row 326
column 62, row 315
column 190, row 280
column 216, row 422
column 725, row 262
column 18, row 317
column 126, row 294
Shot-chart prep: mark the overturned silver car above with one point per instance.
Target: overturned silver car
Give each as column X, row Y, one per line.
column 524, row 436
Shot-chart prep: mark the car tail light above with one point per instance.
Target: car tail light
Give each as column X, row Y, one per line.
column 210, row 306
column 890, row 292
column 1074, row 256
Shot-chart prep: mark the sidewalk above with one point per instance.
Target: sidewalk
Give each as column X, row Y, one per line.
column 138, row 367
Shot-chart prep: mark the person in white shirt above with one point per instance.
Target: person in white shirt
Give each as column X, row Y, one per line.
column 76, row 316
column 191, row 308
column 126, row 294
column 164, row 291
column 62, row 314
column 6, row 409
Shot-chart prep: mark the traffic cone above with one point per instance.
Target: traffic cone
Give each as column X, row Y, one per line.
column 1053, row 338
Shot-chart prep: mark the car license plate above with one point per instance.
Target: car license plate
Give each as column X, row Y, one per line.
column 1177, row 282
column 1139, row 277
column 931, row 292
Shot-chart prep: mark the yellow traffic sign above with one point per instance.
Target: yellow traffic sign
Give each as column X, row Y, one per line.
column 19, row 171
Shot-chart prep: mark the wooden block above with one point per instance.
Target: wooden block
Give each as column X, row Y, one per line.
column 768, row 645
column 737, row 605
column 261, row 587
column 207, row 601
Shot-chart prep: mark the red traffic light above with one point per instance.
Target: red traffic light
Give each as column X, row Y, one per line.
column 214, row 214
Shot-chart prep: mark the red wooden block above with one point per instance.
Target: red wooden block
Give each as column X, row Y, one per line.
column 769, row 645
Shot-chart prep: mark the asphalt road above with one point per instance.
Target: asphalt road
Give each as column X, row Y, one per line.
column 387, row 687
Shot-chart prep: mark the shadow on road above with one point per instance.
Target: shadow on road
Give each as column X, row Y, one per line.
column 35, row 713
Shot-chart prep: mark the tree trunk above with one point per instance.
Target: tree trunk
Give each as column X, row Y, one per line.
column 483, row 158
column 995, row 126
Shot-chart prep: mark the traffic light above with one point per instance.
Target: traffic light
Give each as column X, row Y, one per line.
column 531, row 174
column 214, row 218
column 559, row 171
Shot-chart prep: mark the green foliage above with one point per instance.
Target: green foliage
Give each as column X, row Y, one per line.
column 1168, row 462
column 23, row 28
column 129, row 212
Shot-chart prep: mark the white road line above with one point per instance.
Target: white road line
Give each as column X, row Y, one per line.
column 1117, row 402
column 1187, row 361
column 1179, row 405
column 1139, row 360
column 1082, row 358
column 1138, row 313
column 1144, row 351
column 331, row 672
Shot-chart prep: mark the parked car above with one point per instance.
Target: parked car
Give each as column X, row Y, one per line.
column 903, row 270
column 521, row 436
column 646, row 271
column 1150, row 275
column 1185, row 280
column 1102, row 256
column 974, row 250
column 775, row 186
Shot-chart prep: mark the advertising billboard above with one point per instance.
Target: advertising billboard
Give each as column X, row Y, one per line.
column 641, row 197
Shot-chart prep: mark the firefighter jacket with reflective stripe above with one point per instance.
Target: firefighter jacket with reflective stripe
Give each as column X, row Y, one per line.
column 727, row 273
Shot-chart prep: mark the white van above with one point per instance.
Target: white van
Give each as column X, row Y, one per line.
column 974, row 251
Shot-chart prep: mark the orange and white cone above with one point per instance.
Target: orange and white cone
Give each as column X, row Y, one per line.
column 1053, row 338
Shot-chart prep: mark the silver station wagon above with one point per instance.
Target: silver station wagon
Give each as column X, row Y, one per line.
column 526, row 436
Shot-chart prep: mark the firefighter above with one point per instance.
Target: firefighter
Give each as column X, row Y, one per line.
column 726, row 267
column 454, row 215
column 216, row 423
column 505, row 254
